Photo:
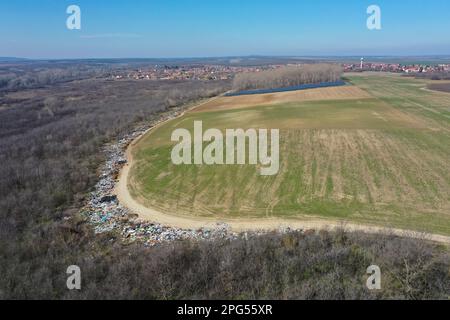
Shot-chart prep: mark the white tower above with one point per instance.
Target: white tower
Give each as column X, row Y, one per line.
column 362, row 63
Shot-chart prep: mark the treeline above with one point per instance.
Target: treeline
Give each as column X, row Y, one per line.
column 14, row 80
column 288, row 76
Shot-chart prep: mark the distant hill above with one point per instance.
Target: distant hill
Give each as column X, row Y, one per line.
column 12, row 59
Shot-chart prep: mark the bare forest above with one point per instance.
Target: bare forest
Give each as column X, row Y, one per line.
column 288, row 76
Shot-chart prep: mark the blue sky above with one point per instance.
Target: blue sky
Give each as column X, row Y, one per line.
column 205, row 28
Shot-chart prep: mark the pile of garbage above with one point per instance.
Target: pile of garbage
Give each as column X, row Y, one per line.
column 106, row 214
column 152, row 234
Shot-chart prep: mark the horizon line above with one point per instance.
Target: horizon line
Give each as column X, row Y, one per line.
column 230, row 56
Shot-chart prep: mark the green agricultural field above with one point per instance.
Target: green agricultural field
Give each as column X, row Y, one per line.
column 381, row 160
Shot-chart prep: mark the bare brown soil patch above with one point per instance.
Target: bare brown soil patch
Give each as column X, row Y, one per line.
column 239, row 102
column 443, row 86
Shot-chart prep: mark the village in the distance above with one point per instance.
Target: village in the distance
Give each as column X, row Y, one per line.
column 226, row 72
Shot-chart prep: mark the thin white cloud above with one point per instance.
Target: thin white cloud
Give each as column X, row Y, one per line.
column 110, row 35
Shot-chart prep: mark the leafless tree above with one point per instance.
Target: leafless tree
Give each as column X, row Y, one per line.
column 288, row 76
